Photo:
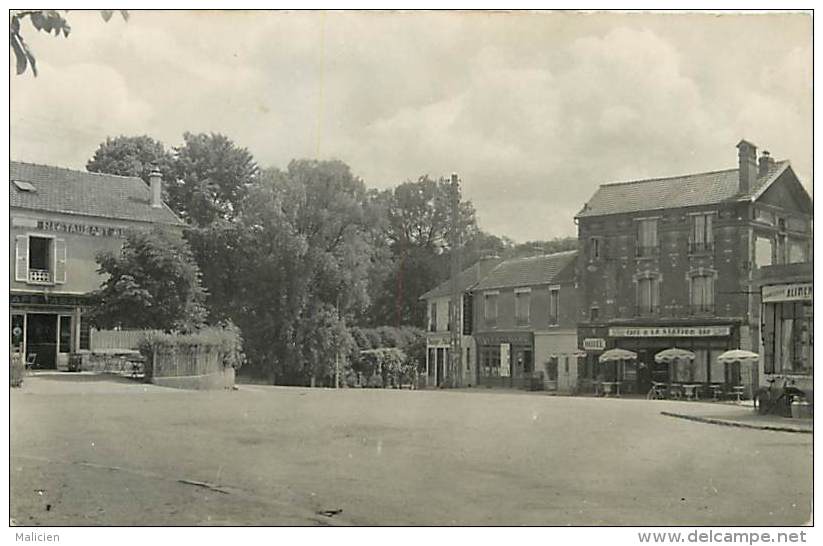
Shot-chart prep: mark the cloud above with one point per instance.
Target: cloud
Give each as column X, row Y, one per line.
column 532, row 110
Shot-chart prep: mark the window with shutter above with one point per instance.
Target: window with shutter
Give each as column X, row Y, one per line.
column 60, row 257
column 21, row 272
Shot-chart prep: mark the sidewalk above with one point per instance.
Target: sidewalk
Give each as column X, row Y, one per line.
column 743, row 416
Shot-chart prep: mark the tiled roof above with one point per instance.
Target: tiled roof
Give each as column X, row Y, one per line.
column 465, row 280
column 91, row 194
column 678, row 191
column 532, row 271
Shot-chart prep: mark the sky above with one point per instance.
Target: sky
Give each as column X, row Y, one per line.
column 532, row 110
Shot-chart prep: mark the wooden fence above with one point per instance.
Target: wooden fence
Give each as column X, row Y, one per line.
column 192, row 367
column 116, row 339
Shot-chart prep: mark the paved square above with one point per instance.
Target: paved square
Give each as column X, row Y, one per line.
column 90, row 450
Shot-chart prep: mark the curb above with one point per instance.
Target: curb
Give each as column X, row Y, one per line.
column 725, row 422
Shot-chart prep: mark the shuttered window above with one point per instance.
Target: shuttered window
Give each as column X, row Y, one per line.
column 40, row 260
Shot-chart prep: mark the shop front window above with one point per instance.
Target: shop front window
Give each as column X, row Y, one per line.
column 788, row 337
column 489, row 361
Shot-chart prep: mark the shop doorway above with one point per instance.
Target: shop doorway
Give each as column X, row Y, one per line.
column 41, row 339
column 18, row 327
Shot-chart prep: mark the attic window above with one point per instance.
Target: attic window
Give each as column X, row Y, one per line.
column 24, row 186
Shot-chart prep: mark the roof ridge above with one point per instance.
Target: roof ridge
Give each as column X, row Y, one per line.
column 524, row 258
column 75, row 170
column 704, row 173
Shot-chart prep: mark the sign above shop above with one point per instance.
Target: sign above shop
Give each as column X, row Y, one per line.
column 594, row 344
column 787, row 292
column 513, row 338
column 80, row 229
column 670, row 331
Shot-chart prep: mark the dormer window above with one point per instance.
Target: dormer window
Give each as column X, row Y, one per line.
column 24, row 186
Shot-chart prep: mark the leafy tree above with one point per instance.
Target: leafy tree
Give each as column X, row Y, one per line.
column 211, row 176
column 290, row 267
column 417, row 227
column 44, row 20
column 131, row 156
column 153, row 283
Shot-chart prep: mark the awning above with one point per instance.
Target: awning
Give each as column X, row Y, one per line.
column 738, row 355
column 673, row 355
column 614, row 355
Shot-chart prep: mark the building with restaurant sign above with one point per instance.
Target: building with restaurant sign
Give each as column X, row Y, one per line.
column 672, row 262
column 524, row 322
column 60, row 219
column 787, row 324
column 439, row 327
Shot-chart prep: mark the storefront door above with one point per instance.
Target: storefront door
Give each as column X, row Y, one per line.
column 41, row 339
column 18, row 328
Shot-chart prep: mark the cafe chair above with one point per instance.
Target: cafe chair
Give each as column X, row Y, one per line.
column 31, row 360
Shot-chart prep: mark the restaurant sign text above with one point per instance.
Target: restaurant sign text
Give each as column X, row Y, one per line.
column 81, row 229
column 788, row 292
column 670, row 331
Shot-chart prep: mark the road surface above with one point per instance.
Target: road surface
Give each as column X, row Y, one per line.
column 94, row 451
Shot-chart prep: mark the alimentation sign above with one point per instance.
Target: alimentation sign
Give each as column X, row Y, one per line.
column 670, row 331
column 787, row 292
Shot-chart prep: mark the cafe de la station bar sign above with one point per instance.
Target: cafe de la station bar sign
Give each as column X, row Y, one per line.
column 670, row 331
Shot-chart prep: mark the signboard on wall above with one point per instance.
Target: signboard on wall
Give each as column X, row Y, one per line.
column 594, row 344
column 90, row 230
column 670, row 331
column 505, row 359
column 787, row 292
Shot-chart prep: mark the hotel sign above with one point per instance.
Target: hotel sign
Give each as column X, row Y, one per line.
column 787, row 292
column 594, row 344
column 670, row 331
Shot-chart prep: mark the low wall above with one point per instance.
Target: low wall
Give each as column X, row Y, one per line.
column 195, row 368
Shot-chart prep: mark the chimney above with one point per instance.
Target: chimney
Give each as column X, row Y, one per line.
column 156, row 182
column 747, row 160
column 764, row 164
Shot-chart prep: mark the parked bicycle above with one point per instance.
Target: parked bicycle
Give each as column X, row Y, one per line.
column 777, row 399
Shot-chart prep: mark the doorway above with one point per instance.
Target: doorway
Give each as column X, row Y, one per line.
column 41, row 339
column 18, row 327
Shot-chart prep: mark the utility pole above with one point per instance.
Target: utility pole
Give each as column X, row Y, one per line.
column 456, row 291
column 337, row 350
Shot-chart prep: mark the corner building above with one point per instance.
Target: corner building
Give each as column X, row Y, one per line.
column 672, row 262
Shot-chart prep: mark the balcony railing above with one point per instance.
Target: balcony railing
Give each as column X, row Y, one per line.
column 700, row 248
column 647, row 251
column 490, row 322
column 39, row 275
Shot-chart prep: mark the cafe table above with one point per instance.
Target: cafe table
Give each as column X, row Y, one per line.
column 691, row 391
column 610, row 387
column 737, row 390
